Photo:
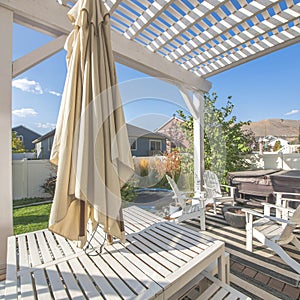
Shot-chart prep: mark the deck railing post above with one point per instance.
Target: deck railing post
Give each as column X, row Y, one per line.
column 6, row 224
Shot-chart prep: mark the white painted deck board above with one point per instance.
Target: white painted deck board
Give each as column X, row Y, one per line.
column 42, row 289
column 70, row 282
column 84, row 280
column 34, row 254
column 151, row 264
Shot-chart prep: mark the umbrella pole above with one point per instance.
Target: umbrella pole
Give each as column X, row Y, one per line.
column 82, row 218
column 109, row 239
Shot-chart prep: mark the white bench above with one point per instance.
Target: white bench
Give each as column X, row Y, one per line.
column 213, row 288
column 158, row 260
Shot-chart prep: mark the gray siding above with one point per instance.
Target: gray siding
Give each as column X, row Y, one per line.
column 27, row 135
column 44, row 148
column 143, row 148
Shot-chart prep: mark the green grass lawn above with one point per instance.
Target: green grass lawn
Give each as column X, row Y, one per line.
column 32, row 217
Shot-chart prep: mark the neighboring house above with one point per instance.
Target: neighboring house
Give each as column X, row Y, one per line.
column 173, row 133
column 142, row 142
column 43, row 145
column 26, row 135
column 270, row 141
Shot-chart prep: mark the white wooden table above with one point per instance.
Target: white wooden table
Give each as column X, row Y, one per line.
column 158, row 259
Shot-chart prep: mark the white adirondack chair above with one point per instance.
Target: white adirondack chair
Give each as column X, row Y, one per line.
column 274, row 232
column 214, row 192
column 185, row 208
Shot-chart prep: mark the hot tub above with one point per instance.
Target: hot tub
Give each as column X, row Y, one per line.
column 253, row 184
column 286, row 181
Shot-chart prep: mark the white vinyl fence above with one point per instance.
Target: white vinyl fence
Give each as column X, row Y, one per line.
column 289, row 161
column 28, row 176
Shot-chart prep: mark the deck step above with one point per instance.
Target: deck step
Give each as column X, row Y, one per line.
column 219, row 290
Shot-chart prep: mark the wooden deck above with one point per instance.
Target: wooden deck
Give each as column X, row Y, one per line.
column 159, row 260
column 261, row 274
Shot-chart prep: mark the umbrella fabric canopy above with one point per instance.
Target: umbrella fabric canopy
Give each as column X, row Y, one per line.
column 91, row 146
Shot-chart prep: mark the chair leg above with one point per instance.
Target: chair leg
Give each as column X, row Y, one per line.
column 249, row 237
column 215, row 207
column 202, row 220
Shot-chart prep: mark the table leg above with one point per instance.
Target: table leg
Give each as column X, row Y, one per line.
column 221, row 267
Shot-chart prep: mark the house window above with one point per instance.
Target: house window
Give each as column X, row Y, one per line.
column 20, row 137
column 155, row 145
column 133, row 143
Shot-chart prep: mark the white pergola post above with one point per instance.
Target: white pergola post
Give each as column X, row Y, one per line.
column 198, row 102
column 6, row 223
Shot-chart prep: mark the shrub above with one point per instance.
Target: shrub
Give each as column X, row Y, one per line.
column 49, row 185
column 128, row 192
column 144, row 167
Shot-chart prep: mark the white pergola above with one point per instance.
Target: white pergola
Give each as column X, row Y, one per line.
column 181, row 41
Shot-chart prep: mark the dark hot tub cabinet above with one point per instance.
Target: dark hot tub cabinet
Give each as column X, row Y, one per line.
column 256, row 186
column 286, row 181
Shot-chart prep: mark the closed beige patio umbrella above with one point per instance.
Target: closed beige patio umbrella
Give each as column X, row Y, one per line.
column 91, row 146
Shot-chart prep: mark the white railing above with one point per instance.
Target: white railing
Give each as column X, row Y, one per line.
column 287, row 149
column 274, row 160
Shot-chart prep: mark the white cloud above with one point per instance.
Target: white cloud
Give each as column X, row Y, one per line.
column 29, row 86
column 24, row 112
column 46, row 125
column 292, row 112
column 55, row 93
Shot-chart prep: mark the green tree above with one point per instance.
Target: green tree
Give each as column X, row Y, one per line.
column 226, row 143
column 16, row 144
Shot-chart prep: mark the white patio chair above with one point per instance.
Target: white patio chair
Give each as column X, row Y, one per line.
column 185, row 208
column 214, row 189
column 274, row 232
column 283, row 199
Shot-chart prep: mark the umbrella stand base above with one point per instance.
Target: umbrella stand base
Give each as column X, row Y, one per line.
column 89, row 245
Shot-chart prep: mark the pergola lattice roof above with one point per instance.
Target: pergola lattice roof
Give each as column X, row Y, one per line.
column 210, row 36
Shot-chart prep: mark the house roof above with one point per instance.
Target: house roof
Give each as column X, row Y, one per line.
column 133, row 131
column 24, row 128
column 45, row 136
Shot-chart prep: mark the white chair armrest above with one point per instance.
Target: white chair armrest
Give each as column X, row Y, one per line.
column 278, row 207
column 255, row 213
column 252, row 212
column 228, row 186
column 232, row 189
column 287, row 193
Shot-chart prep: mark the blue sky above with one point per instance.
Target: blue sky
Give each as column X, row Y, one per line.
column 267, row 87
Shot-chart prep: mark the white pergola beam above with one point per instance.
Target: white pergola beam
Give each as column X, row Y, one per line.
column 136, row 56
column 38, row 55
column 48, row 17
column 39, row 15
column 6, row 223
